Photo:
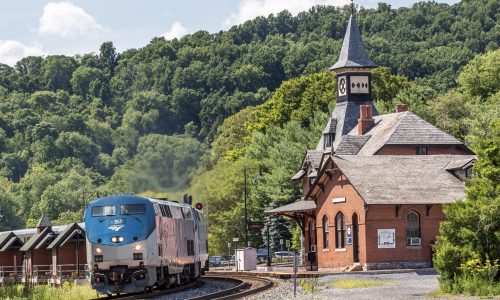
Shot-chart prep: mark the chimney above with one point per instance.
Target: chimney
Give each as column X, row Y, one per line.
column 401, row 107
column 365, row 120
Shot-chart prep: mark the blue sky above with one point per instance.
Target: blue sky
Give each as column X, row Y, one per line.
column 42, row 27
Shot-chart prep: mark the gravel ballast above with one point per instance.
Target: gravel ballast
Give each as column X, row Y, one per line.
column 408, row 285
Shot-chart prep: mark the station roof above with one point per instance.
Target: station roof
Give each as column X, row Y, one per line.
column 296, row 207
column 402, row 179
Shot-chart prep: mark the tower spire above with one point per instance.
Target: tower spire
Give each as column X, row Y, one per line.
column 352, row 7
column 353, row 53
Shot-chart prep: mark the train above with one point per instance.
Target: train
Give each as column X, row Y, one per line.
column 137, row 244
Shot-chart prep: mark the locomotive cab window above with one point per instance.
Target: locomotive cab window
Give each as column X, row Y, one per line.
column 133, row 209
column 102, row 211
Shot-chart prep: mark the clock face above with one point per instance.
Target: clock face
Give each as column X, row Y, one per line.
column 359, row 85
column 342, row 86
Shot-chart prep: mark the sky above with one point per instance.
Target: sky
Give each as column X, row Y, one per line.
column 43, row 27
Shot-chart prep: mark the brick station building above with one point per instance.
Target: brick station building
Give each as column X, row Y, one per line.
column 374, row 187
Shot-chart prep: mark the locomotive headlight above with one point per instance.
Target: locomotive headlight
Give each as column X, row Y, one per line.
column 98, row 250
column 120, row 239
column 137, row 247
column 114, row 239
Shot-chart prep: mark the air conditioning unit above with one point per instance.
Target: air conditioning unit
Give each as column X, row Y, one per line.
column 313, row 248
column 414, row 241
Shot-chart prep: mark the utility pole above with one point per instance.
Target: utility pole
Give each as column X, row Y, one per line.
column 268, row 245
column 245, row 198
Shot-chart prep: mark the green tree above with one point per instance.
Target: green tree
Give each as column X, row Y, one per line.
column 57, row 71
column 481, row 76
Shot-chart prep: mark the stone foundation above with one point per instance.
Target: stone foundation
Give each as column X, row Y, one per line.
column 397, row 265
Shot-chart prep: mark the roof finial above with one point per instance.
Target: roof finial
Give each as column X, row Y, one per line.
column 352, row 7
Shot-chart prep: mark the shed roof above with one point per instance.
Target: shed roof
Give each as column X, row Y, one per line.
column 35, row 239
column 402, row 179
column 13, row 241
column 68, row 233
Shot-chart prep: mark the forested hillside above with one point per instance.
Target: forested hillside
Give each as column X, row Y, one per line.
column 188, row 114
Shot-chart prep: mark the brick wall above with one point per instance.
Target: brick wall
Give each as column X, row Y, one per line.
column 412, row 150
column 376, row 217
column 384, row 217
column 331, row 257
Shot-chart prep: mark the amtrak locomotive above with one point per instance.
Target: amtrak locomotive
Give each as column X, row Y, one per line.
column 135, row 244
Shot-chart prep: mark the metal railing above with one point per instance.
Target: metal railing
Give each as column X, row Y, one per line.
column 10, row 274
column 71, row 271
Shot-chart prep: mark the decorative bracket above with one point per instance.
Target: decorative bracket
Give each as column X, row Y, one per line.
column 428, row 208
column 398, row 207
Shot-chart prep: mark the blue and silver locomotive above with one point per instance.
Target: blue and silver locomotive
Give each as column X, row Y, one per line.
column 135, row 244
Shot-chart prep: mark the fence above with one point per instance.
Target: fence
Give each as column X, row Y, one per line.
column 10, row 274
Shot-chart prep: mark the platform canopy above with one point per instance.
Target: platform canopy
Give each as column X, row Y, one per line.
column 297, row 211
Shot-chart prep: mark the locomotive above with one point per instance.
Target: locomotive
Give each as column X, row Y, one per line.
column 135, row 244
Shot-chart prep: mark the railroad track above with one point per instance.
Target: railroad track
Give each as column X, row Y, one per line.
column 245, row 285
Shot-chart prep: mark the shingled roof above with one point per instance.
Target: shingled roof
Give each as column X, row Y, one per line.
column 353, row 53
column 314, row 157
column 402, row 179
column 404, row 128
column 347, row 115
column 350, row 144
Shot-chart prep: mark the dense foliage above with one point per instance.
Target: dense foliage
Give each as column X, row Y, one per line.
column 468, row 249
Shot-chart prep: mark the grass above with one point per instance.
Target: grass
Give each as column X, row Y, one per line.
column 44, row 292
column 356, row 283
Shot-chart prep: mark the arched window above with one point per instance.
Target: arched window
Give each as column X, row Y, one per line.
column 325, row 232
column 340, row 230
column 412, row 228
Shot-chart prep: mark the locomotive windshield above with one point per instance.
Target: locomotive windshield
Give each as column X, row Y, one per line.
column 133, row 209
column 101, row 211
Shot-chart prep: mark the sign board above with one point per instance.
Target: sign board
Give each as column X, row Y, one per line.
column 287, row 242
column 386, row 238
column 255, row 225
column 281, row 241
column 349, row 235
column 236, row 239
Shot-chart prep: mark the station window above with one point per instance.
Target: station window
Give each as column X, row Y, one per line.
column 340, row 230
column 412, row 227
column 101, row 211
column 421, row 151
column 325, row 232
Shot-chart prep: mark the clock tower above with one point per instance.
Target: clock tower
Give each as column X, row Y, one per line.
column 353, row 68
column 354, row 87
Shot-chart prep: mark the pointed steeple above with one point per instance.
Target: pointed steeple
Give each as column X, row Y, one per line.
column 44, row 222
column 353, row 53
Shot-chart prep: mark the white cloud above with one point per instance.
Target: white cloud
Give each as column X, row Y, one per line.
column 249, row 9
column 12, row 51
column 67, row 20
column 176, row 31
